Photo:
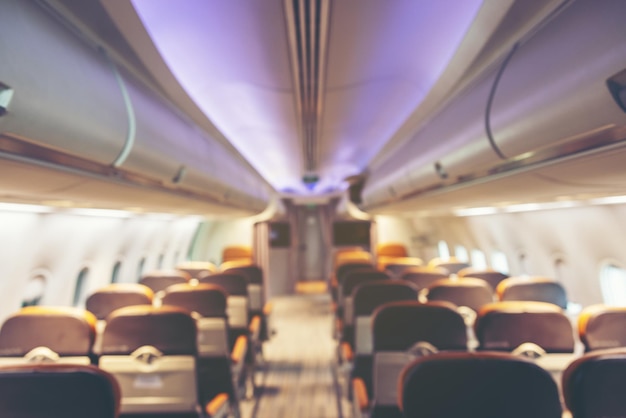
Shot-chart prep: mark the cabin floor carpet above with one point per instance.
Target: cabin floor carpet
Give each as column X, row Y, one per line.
column 299, row 377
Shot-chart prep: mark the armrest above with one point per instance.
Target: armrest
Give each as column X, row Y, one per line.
column 255, row 325
column 346, row 352
column 267, row 309
column 239, row 350
column 218, row 407
column 359, row 391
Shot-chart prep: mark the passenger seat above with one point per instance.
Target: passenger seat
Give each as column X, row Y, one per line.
column 58, row 391
column 538, row 289
column 48, row 335
column 485, row 385
column 602, row 327
column 152, row 352
column 159, row 280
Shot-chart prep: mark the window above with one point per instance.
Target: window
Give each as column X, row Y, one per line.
column 115, row 274
column 499, row 262
column 613, row 284
column 479, row 261
column 80, row 289
column 444, row 252
column 460, row 252
column 140, row 268
column 34, row 291
column 160, row 261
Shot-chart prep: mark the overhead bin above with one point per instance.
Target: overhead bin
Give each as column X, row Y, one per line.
column 71, row 99
column 65, row 96
column 546, row 105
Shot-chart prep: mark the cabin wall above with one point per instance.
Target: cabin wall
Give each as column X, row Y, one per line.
column 214, row 235
column 570, row 244
column 59, row 245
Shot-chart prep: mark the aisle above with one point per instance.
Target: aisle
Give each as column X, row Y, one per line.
column 300, row 380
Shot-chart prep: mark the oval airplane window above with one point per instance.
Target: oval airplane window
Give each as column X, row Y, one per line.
column 479, row 261
column 160, row 261
column 140, row 268
column 613, row 284
column 460, row 252
column 80, row 289
column 115, row 273
column 35, row 289
column 443, row 250
column 499, row 262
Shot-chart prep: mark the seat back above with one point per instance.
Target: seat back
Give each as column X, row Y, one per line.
column 208, row 302
column 254, row 278
column 195, row 269
column 118, row 295
column 404, row 330
column 353, row 279
column 391, row 249
column 352, row 256
column 537, row 289
column 478, row 385
column 602, row 327
column 492, row 277
column 237, row 252
column 367, row 298
column 470, row 292
column 504, row 326
column 236, row 288
column 422, row 277
column 451, row 265
column 593, row 385
column 47, row 334
column 160, row 280
column 57, row 390
column 395, row 266
column 152, row 353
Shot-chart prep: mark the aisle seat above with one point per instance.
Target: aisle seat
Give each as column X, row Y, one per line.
column 401, row 332
column 593, row 385
column 220, row 369
column 485, row 385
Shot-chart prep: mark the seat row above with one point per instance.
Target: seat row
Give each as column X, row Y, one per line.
column 170, row 355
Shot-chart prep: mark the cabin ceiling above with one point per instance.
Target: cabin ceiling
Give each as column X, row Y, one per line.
column 310, row 93
column 308, row 88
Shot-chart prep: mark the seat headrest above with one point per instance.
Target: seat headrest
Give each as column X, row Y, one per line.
column 397, row 326
column 370, row 295
column 233, row 283
column 237, row 252
column 360, row 276
column 539, row 289
column 477, row 385
column 504, row 326
column 422, row 277
column 593, row 385
column 66, row 331
column 492, row 277
column 197, row 268
column 162, row 279
column 470, row 292
column 396, row 265
column 207, row 300
column 391, row 249
column 252, row 273
column 118, row 295
column 344, row 269
column 602, row 327
column 169, row 329
column 58, row 390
